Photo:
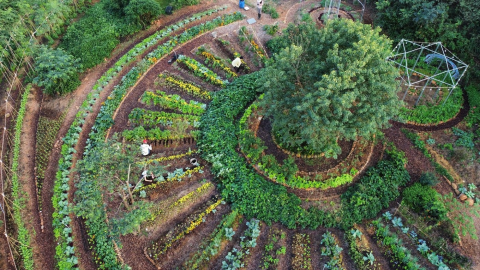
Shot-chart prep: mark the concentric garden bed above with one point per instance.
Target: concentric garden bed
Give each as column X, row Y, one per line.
column 212, row 205
column 299, row 172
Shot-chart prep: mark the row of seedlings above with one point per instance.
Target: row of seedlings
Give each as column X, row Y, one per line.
column 360, row 251
column 301, row 252
column 246, row 38
column 211, row 247
column 178, row 175
column 181, row 85
column 227, row 48
column 65, row 258
column 47, row 129
column 201, row 71
column 96, row 224
column 274, row 249
column 177, row 126
column 215, row 62
column 399, row 256
column 331, row 249
column 160, row 211
column 422, row 245
column 23, row 236
column 424, row 230
column 156, row 251
column 236, row 257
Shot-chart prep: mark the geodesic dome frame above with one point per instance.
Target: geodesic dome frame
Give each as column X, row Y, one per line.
column 408, row 55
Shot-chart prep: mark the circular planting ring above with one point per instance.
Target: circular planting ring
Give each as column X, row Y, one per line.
column 354, row 159
column 208, row 203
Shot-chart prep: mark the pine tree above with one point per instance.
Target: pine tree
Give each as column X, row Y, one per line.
column 328, row 85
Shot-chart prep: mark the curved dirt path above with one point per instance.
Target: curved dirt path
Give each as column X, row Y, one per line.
column 26, row 178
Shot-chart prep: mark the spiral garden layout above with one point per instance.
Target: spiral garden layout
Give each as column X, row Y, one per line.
column 217, row 190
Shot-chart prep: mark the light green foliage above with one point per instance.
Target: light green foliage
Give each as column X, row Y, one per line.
column 328, row 84
column 57, row 71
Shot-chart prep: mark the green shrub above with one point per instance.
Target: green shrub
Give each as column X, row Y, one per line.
column 181, row 3
column 271, row 29
column 428, row 179
column 375, row 190
column 425, row 200
column 473, row 116
column 142, row 12
column 93, row 37
column 270, row 9
column 57, row 71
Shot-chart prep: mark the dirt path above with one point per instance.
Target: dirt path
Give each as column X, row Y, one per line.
column 26, row 178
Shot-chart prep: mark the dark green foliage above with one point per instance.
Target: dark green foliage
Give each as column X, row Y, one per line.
column 428, row 179
column 249, row 192
column 375, row 190
column 271, row 29
column 327, row 85
column 465, row 138
column 96, row 34
column 142, row 12
column 426, row 201
column 20, row 18
column 57, row 71
column 453, row 22
column 270, row 9
column 473, row 116
column 181, row 3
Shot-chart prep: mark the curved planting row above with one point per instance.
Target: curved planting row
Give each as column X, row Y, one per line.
column 65, row 256
column 158, row 248
column 89, row 200
column 18, row 201
column 288, row 174
column 201, row 71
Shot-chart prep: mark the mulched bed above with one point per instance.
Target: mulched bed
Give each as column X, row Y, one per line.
column 316, row 164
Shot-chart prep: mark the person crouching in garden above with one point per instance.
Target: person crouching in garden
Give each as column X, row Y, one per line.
column 259, row 8
column 236, row 63
column 145, row 148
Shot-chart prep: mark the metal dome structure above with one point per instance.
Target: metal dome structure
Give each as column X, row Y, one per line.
column 416, row 62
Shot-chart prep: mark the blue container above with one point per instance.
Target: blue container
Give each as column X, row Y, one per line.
column 241, row 4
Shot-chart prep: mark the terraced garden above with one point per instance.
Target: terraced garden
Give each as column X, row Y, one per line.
column 225, row 191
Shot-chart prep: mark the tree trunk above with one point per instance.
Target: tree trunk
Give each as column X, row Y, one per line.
column 128, row 183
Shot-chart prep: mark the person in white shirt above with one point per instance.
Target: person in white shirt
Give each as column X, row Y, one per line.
column 145, row 148
column 236, row 63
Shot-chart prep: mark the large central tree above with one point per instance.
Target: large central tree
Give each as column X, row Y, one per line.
column 328, row 85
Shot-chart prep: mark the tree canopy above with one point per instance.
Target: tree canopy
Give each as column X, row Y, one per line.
column 328, row 85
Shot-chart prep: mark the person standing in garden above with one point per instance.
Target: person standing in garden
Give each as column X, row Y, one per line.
column 145, row 148
column 259, row 8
